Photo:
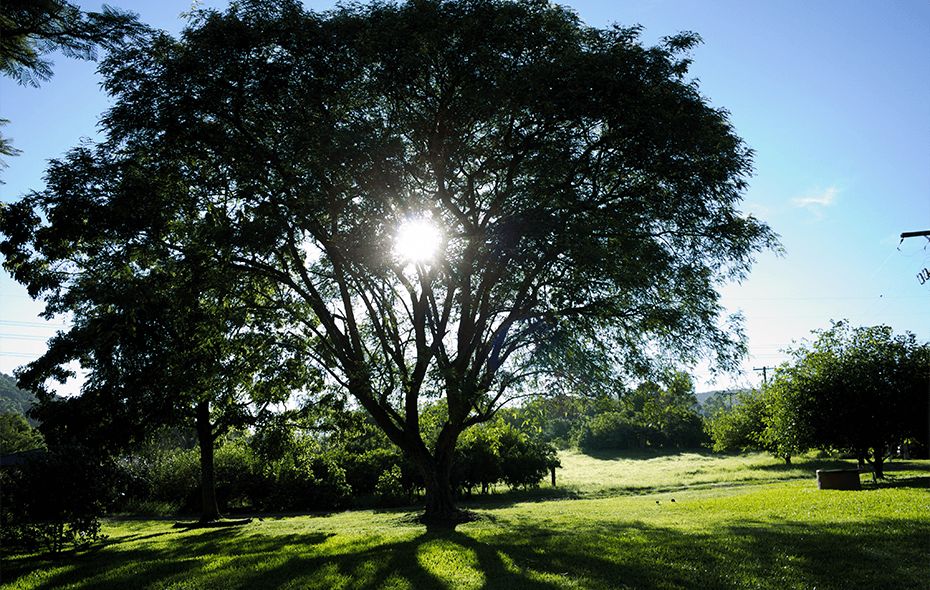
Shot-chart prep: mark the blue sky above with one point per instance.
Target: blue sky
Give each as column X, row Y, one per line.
column 833, row 96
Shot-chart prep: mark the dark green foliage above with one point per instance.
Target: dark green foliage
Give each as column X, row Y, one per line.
column 169, row 479
column 176, row 479
column 685, row 430
column 852, row 389
column 655, row 414
column 364, row 469
column 55, row 499
column 478, row 460
column 304, row 482
column 611, row 431
column 390, row 489
column 14, row 399
column 524, row 460
column 17, row 435
column 741, row 428
column 499, row 453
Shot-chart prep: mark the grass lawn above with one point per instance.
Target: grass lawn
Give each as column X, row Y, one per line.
column 650, row 471
column 700, row 532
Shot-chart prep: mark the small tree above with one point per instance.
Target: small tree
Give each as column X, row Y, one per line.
column 17, row 435
column 478, row 461
column 525, row 461
column 852, row 389
column 165, row 341
column 741, row 428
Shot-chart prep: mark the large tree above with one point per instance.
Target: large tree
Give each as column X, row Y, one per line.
column 852, row 389
column 585, row 194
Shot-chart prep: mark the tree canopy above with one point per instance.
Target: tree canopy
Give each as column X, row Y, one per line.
column 851, row 389
column 585, row 192
column 30, row 30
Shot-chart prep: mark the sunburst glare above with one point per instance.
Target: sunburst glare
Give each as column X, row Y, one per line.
column 418, row 240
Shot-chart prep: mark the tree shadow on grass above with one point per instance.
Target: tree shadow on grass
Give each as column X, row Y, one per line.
column 894, row 481
column 514, row 555
column 915, row 475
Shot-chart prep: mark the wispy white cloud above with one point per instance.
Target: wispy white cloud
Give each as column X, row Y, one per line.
column 815, row 200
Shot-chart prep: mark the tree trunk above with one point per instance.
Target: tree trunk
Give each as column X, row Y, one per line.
column 211, row 509
column 437, row 471
column 878, row 462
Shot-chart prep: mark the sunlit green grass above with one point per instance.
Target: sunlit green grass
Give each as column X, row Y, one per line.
column 649, row 471
column 645, row 471
column 785, row 534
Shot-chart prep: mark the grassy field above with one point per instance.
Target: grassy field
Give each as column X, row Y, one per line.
column 681, row 521
column 651, row 471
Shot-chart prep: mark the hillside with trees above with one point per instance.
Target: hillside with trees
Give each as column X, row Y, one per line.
column 13, row 399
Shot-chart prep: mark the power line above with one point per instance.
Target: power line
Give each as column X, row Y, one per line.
column 23, row 337
column 48, row 324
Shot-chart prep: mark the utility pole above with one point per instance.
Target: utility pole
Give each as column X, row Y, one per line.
column 765, row 374
column 924, row 275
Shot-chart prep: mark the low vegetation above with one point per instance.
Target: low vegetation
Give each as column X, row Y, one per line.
column 664, row 521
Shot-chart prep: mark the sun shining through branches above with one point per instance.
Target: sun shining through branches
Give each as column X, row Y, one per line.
column 434, row 239
column 418, row 241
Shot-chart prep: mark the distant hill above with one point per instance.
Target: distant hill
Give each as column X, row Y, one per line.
column 14, row 399
column 722, row 399
column 703, row 395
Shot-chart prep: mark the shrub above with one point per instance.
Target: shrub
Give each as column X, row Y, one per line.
column 237, row 475
column 176, row 479
column 558, row 431
column 390, row 490
column 525, row 461
column 609, row 431
column 363, row 470
column 477, row 460
column 487, row 455
column 56, row 499
column 686, row 430
column 305, row 482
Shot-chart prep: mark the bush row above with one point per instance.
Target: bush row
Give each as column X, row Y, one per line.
column 159, row 480
column 617, row 431
column 313, row 478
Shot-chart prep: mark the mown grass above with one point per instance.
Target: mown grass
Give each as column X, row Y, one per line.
column 785, row 534
column 649, row 471
column 641, row 472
